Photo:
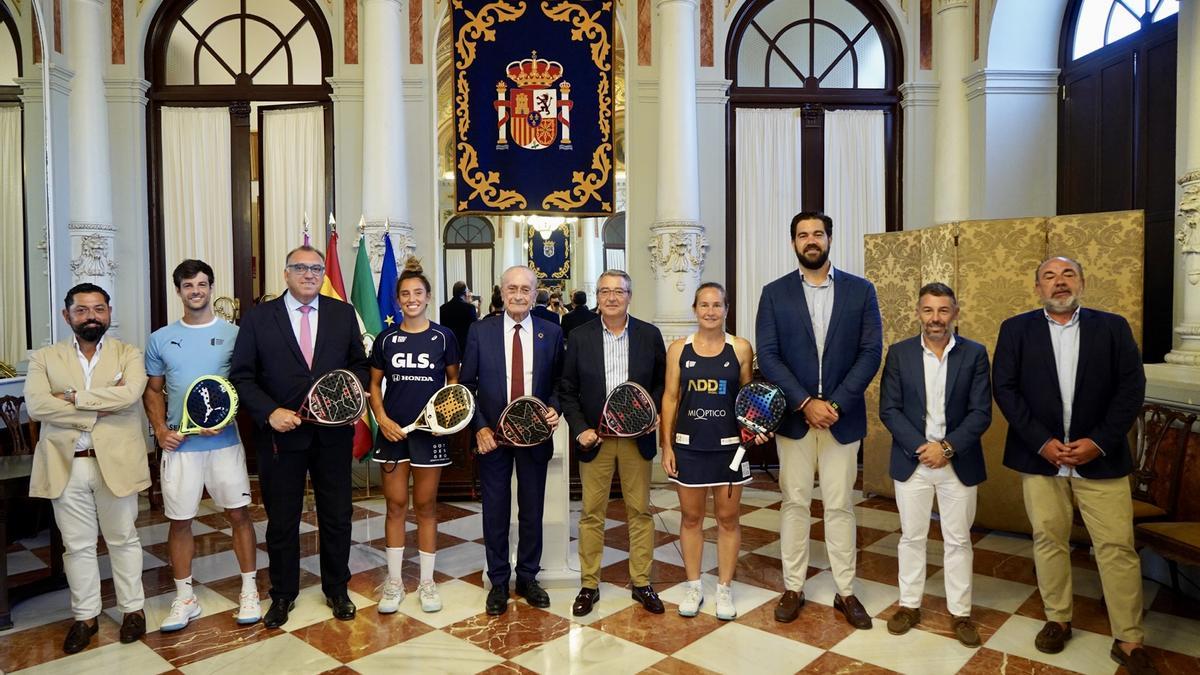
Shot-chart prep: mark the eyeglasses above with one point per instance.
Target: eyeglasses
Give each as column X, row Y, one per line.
column 616, row 292
column 302, row 269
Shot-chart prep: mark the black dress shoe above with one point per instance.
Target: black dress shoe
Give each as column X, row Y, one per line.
column 856, row 615
column 278, row 614
column 497, row 600
column 533, row 593
column 648, row 598
column 343, row 609
column 584, row 601
column 80, row 636
column 133, row 627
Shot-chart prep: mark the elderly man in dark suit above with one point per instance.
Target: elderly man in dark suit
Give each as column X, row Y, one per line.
column 936, row 399
column 603, row 354
column 281, row 350
column 458, row 313
column 508, row 356
column 820, row 340
column 1069, row 379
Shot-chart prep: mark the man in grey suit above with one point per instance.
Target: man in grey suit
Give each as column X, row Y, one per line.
column 936, row 399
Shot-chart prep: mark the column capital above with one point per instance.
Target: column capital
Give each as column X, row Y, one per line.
column 398, row 3
column 945, row 5
column 992, row 81
column 404, row 244
column 919, row 94
column 677, row 246
column 692, row 4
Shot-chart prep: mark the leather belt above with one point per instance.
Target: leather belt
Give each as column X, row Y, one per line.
column 90, row 452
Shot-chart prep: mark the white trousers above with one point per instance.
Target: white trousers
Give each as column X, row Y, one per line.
column 956, row 506
column 85, row 504
column 799, row 460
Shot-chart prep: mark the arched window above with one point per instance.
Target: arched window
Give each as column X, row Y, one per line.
column 613, row 234
column 1116, row 132
column 1100, row 23
column 468, row 253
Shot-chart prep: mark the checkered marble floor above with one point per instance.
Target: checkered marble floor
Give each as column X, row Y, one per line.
column 618, row 636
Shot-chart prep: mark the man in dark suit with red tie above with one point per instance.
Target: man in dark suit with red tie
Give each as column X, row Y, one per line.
column 281, row 349
column 508, row 356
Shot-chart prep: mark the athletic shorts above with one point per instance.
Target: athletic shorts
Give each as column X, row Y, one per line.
column 708, row 468
column 185, row 476
column 420, row 448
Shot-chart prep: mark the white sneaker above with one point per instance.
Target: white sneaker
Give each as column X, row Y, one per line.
column 182, row 611
column 725, row 609
column 392, row 594
column 692, row 601
column 250, row 611
column 431, row 601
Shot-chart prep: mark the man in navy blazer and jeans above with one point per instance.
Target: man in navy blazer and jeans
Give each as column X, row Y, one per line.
column 508, row 356
column 936, row 399
column 820, row 340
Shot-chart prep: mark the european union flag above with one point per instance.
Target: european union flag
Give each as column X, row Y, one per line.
column 389, row 309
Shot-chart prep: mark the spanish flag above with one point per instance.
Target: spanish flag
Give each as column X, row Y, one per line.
column 364, row 429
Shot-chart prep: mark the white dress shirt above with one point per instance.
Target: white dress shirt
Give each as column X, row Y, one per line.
column 526, row 353
column 89, row 366
column 935, row 389
column 819, row 300
column 294, row 314
column 1064, row 338
column 616, row 356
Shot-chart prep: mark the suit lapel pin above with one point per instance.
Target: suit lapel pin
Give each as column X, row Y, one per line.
column 541, row 335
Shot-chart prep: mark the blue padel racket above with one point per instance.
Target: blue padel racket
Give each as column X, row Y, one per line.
column 211, row 403
column 759, row 409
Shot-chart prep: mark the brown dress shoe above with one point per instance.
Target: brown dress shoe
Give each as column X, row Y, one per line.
column 584, row 601
column 903, row 620
column 1052, row 638
column 133, row 627
column 856, row 615
column 965, row 631
column 789, row 606
column 1137, row 662
column 80, row 636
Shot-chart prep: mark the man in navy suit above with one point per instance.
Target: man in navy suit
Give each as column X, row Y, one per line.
column 281, row 349
column 603, row 354
column 508, row 356
column 542, row 311
column 820, row 340
column 936, row 399
column 1070, row 382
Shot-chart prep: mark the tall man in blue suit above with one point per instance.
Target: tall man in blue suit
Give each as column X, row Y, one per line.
column 508, row 356
column 936, row 399
column 820, row 340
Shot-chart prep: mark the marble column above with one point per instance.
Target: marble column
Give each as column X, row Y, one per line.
column 951, row 58
column 592, row 247
column 1187, row 149
column 91, row 228
column 678, row 245
column 384, row 179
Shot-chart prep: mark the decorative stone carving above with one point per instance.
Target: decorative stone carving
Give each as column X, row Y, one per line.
column 95, row 257
column 677, row 249
column 1188, row 233
column 403, row 243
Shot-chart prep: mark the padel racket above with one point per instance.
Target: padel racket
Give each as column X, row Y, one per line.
column 759, row 409
column 334, row 400
column 448, row 411
column 211, row 402
column 628, row 412
column 524, row 423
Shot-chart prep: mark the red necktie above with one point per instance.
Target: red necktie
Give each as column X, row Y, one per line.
column 516, row 387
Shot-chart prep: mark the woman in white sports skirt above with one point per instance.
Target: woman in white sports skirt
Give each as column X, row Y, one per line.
column 415, row 357
column 700, row 436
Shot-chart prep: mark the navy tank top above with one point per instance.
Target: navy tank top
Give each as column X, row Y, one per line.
column 705, row 420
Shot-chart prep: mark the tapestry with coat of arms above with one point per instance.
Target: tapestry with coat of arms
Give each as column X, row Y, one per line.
column 533, row 106
column 550, row 257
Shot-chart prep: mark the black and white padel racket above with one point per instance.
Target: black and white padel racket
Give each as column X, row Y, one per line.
column 524, row 423
column 448, row 411
column 336, row 399
column 629, row 412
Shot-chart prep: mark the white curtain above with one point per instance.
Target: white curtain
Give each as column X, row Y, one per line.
column 614, row 259
column 12, row 233
column 293, row 184
column 855, row 193
column 197, row 200
column 768, row 195
column 481, row 269
column 456, row 268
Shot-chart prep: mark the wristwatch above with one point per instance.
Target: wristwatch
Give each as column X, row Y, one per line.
column 69, row 393
column 947, row 449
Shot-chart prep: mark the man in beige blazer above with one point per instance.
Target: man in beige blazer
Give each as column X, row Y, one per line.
column 90, row 459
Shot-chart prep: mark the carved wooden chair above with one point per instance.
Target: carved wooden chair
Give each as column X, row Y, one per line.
column 22, row 435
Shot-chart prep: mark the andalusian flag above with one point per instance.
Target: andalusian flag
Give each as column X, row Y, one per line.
column 364, row 429
column 363, row 299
